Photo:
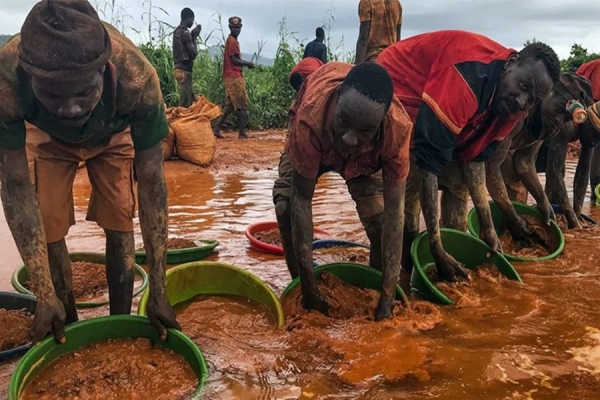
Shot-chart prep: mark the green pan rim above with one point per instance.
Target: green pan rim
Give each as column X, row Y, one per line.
column 209, row 244
column 280, row 317
column 139, row 271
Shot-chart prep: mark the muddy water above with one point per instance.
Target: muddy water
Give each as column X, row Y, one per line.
column 539, row 340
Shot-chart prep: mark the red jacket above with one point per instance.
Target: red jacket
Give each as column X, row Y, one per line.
column 306, row 66
column 591, row 71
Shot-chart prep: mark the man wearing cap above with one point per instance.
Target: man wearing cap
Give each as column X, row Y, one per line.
column 235, row 87
column 87, row 94
column 184, row 54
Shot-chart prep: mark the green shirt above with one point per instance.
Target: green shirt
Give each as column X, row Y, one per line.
column 131, row 97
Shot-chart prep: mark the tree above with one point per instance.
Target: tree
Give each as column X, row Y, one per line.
column 578, row 55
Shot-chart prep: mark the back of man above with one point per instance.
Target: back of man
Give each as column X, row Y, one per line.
column 317, row 48
column 385, row 17
column 181, row 58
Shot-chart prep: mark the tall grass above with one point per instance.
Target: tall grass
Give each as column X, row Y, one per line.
column 269, row 93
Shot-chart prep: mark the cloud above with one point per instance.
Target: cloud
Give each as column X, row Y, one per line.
column 559, row 23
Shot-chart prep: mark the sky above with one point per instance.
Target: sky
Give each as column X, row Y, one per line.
column 559, row 23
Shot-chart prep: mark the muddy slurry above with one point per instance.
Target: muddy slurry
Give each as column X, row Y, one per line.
column 115, row 370
column 543, row 243
column 271, row 237
column 335, row 254
column 176, row 244
column 15, row 326
column 89, row 280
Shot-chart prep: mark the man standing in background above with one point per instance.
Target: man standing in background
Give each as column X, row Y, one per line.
column 184, row 54
column 380, row 24
column 235, row 87
column 317, row 48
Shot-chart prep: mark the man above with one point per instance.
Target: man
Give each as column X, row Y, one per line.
column 464, row 93
column 302, row 70
column 511, row 172
column 235, row 87
column 317, row 48
column 345, row 119
column 380, row 25
column 92, row 96
column 184, row 54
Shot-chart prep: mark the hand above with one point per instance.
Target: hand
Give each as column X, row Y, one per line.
column 547, row 213
column 161, row 315
column 520, row 231
column 491, row 238
column 383, row 310
column 448, row 268
column 315, row 301
column 196, row 30
column 251, row 65
column 49, row 317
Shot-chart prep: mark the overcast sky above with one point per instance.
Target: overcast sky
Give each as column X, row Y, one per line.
column 559, row 23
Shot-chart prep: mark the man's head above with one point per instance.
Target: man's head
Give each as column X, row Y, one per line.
column 65, row 49
column 527, row 78
column 320, row 33
column 363, row 100
column 296, row 80
column 187, row 17
column 235, row 26
column 553, row 109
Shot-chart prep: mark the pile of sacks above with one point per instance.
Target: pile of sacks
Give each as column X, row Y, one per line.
column 190, row 132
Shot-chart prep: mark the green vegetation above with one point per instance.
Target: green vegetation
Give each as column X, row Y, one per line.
column 577, row 56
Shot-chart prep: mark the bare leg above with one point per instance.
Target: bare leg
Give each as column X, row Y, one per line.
column 454, row 209
column 62, row 277
column 120, row 262
column 243, row 121
column 284, row 220
column 217, row 125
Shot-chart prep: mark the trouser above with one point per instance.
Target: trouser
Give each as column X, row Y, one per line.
column 186, row 88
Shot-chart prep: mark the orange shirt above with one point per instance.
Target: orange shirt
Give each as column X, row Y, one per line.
column 310, row 145
column 307, row 66
column 591, row 71
column 385, row 16
column 232, row 48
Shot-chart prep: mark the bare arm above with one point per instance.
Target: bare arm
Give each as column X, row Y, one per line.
column 398, row 32
column 495, row 182
column 582, row 177
column 190, row 44
column 302, row 238
column 362, row 42
column 25, row 222
column 324, row 54
column 475, row 178
column 152, row 193
column 393, row 224
column 241, row 63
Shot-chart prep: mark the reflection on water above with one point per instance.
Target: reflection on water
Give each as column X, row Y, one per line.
column 538, row 340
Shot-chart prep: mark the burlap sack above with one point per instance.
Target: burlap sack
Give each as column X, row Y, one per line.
column 194, row 138
column 168, row 145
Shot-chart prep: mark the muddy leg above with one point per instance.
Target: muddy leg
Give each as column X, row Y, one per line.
column 217, row 124
column 243, row 121
column 454, row 209
column 284, row 220
column 412, row 214
column 595, row 174
column 120, row 262
column 62, row 277
column 374, row 231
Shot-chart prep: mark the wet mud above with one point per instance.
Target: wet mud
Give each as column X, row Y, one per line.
column 542, row 241
column 271, row 237
column 116, row 369
column 330, row 255
column 539, row 340
column 89, row 280
column 16, row 327
column 561, row 220
column 177, row 244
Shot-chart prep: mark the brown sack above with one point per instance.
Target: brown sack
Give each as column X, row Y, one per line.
column 194, row 138
column 168, row 145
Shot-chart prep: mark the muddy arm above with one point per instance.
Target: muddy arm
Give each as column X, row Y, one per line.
column 555, row 183
column 303, row 190
column 495, row 182
column 393, row 226
column 582, row 177
column 362, row 42
column 475, row 179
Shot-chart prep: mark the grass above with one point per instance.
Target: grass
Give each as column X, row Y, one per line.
column 269, row 93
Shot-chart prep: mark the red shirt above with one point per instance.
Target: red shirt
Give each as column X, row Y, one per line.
column 306, row 66
column 446, row 81
column 591, row 71
column 310, row 143
column 232, row 48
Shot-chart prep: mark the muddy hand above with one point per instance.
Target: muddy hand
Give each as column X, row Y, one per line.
column 547, row 213
column 49, row 317
column 491, row 238
column 315, row 302
column 449, row 269
column 521, row 232
column 161, row 315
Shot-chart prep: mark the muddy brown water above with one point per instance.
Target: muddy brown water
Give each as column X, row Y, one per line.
column 539, row 340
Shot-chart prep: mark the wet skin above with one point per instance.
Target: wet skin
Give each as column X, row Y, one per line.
column 521, row 86
column 545, row 121
column 241, row 114
column 48, row 264
column 357, row 121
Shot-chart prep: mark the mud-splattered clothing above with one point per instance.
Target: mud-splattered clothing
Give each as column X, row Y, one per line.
column 591, row 71
column 232, row 48
column 385, row 16
column 306, row 66
column 446, row 81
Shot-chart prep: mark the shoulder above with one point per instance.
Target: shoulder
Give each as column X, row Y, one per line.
column 134, row 71
column 397, row 123
column 9, row 77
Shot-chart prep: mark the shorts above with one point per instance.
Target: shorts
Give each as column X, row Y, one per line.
column 111, row 172
column 235, row 93
column 366, row 191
